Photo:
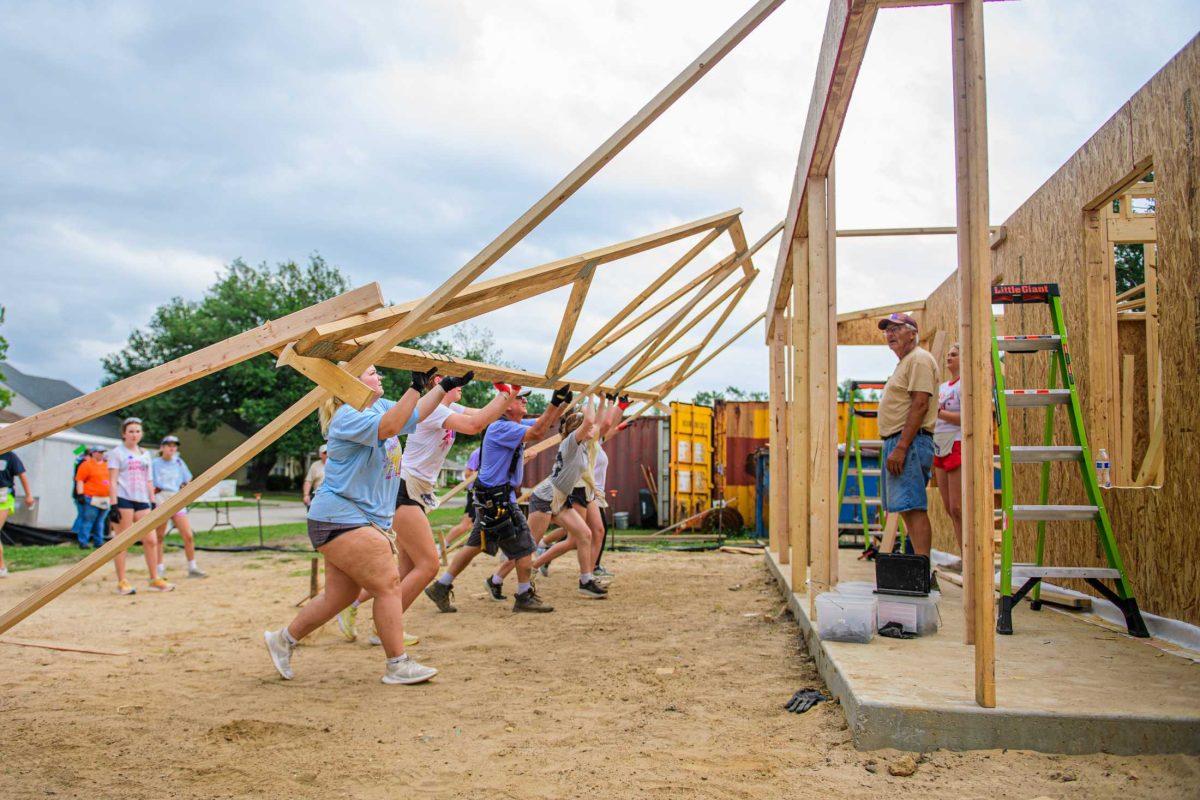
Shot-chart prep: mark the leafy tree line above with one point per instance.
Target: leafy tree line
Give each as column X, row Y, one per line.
column 709, row 398
column 248, row 395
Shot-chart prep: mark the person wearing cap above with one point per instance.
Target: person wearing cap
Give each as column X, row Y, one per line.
column 907, row 417
column 11, row 471
column 170, row 473
column 315, row 475
column 91, row 484
column 499, row 523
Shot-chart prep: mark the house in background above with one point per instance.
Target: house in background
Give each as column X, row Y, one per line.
column 50, row 462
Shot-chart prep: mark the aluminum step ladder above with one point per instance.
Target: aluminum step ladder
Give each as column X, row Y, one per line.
column 1059, row 371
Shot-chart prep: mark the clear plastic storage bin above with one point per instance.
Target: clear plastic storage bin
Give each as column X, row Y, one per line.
column 917, row 615
column 845, row 618
column 856, row 588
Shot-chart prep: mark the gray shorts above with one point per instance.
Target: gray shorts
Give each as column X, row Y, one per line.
column 517, row 545
column 321, row 533
column 577, row 498
column 537, row 505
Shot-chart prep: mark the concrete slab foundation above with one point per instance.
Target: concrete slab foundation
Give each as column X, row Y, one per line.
column 1063, row 686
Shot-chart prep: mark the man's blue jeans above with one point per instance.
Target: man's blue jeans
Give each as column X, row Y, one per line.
column 89, row 524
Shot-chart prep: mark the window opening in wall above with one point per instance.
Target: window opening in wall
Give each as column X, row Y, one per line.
column 1126, row 352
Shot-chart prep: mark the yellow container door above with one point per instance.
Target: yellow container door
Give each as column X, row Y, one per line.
column 691, row 459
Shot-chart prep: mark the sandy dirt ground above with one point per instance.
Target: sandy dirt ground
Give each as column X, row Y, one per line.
column 673, row 688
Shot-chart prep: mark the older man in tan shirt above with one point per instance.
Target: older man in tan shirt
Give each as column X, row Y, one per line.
column 907, row 415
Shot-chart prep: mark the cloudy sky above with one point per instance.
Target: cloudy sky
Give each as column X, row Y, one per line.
column 143, row 146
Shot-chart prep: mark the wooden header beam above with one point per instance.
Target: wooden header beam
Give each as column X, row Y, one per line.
column 881, row 311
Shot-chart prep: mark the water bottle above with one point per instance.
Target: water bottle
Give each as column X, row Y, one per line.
column 1103, row 469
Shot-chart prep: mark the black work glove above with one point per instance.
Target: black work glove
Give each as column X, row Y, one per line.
column 562, row 394
column 803, row 700
column 612, row 398
column 451, row 383
column 421, row 380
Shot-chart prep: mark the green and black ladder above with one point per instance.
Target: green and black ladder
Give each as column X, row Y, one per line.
column 1059, row 371
column 854, row 449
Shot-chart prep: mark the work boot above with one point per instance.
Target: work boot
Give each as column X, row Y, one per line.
column 529, row 601
column 441, row 594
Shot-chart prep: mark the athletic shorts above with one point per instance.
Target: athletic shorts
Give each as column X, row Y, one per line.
column 8, row 504
column 516, row 546
column 163, row 496
column 952, row 460
column 132, row 505
column 321, row 533
column 906, row 491
column 403, row 498
column 577, row 497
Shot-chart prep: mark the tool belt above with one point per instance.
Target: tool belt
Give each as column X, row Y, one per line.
column 494, row 516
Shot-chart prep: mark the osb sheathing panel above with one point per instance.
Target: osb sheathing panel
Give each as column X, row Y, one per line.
column 1155, row 528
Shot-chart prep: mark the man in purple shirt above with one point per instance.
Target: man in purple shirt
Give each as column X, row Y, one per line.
column 499, row 523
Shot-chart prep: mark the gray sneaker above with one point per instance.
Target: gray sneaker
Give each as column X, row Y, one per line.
column 529, row 601
column 407, row 672
column 441, row 596
column 281, row 653
column 196, row 572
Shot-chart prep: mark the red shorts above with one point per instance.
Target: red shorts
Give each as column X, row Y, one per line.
column 949, row 462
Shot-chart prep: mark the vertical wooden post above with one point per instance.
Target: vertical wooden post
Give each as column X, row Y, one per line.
column 799, row 442
column 831, row 397
column 1153, row 373
column 789, row 370
column 779, row 430
column 822, row 385
column 974, row 275
column 1125, row 471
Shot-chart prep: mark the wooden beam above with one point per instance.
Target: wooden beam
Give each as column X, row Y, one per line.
column 570, row 317
column 1134, row 230
column 1153, row 356
column 69, row 648
column 505, row 290
column 737, row 235
column 800, row 444
column 337, row 381
column 847, row 28
column 586, row 350
column 185, row 369
column 1124, row 467
column 974, row 271
column 822, row 385
column 565, row 188
column 881, row 311
column 777, row 508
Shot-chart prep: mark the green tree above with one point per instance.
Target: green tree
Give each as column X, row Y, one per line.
column 708, row 398
column 5, row 394
column 245, row 396
column 843, row 392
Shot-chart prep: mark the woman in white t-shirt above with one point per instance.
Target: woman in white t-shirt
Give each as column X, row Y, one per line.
column 947, row 444
column 132, row 494
column 424, row 453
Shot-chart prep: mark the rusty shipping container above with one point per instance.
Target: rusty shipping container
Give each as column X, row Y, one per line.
column 644, row 442
column 740, row 427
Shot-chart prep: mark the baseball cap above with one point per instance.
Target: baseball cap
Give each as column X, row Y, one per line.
column 898, row 318
column 525, row 392
column 97, row 448
column 323, row 449
column 170, row 440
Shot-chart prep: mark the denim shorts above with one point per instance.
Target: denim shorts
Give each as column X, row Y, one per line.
column 906, row 491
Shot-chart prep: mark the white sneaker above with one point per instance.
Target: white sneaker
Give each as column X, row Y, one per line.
column 407, row 672
column 281, row 653
column 162, row 570
column 3, row 572
column 196, row 572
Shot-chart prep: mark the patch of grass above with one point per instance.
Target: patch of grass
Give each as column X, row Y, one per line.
column 21, row 558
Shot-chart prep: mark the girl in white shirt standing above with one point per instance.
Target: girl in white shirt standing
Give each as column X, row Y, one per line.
column 132, row 494
column 947, row 444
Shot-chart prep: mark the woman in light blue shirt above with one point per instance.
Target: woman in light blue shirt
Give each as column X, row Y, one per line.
column 350, row 514
column 170, row 472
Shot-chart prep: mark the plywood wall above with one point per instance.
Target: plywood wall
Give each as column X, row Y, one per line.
column 1156, row 527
